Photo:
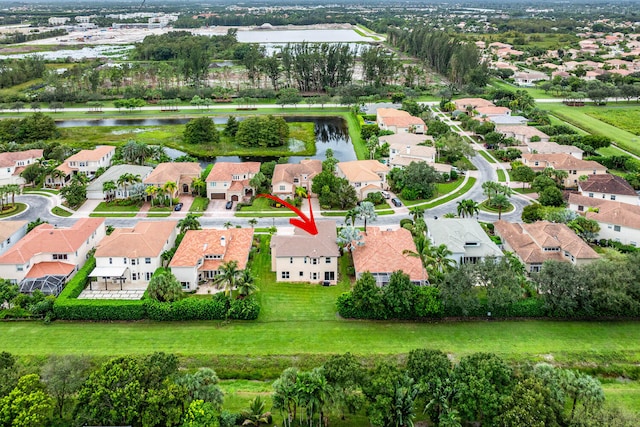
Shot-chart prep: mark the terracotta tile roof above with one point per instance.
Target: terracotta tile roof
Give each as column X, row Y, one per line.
column 10, row 158
column 362, row 170
column 146, row 239
column 403, row 121
column 529, row 240
column 65, row 168
column 198, row 243
column 91, row 155
column 550, row 147
column 18, row 170
column 302, row 244
column 173, row 171
column 7, row 228
column 495, row 111
column 607, row 183
column 608, row 211
column 50, row 268
column 462, row 103
column 563, row 161
column 382, row 253
column 287, row 172
column 391, row 112
column 224, row 171
column 45, row 238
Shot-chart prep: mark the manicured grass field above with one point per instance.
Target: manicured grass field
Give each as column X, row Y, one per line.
column 534, row 92
column 501, row 175
column 582, row 118
column 13, row 210
column 442, row 189
column 112, row 208
column 486, row 156
column 627, row 119
column 199, row 204
column 57, row 210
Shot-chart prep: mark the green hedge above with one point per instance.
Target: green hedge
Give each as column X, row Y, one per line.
column 81, row 309
column 219, row 307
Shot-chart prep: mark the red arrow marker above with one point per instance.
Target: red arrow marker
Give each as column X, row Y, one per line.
column 305, row 223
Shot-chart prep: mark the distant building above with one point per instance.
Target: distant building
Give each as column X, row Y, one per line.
column 12, row 164
column 58, row 20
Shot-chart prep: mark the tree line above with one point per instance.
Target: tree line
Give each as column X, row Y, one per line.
column 16, row 71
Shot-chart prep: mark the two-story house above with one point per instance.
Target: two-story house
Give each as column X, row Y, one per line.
column 202, row 252
column 574, row 167
column 366, row 176
column 13, row 163
column 10, row 233
column 383, row 253
column 51, row 251
column 522, row 133
column 230, row 181
column 399, row 121
column 464, row 237
column 85, row 162
column 181, row 173
column 550, row 147
column 289, row 176
column 131, row 255
column 303, row 257
column 543, row 241
column 618, row 221
column 95, row 189
column 609, row 187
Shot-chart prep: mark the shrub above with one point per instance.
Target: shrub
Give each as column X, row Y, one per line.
column 99, row 310
column 215, row 308
column 244, row 309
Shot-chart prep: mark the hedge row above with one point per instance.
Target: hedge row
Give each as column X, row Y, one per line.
column 219, row 307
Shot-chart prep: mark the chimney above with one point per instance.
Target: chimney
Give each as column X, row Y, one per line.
column 223, row 241
column 408, row 149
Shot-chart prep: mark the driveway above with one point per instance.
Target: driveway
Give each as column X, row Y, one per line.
column 40, row 207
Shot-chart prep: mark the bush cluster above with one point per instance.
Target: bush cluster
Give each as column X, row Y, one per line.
column 217, row 308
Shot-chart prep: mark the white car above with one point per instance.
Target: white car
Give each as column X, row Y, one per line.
column 385, row 194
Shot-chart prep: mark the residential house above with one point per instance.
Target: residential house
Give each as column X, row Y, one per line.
column 51, row 251
column 565, row 162
column 95, row 188
column 383, row 253
column 464, row 237
column 131, row 255
column 13, row 163
column 508, row 120
column 303, row 257
column 289, row 176
column 366, row 176
column 493, row 111
column 618, row 221
column 550, row 147
column 85, row 162
column 523, row 78
column 609, row 187
column 182, row 173
column 202, row 252
column 543, row 241
column 470, row 104
column 407, row 148
column 399, row 121
column 230, row 181
column 10, row 233
column 522, row 133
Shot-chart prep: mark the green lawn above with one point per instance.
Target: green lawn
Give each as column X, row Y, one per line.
column 40, row 190
column 534, row 92
column 261, row 208
column 627, row 119
column 487, row 156
column 57, row 210
column 441, row 189
column 105, row 207
column 583, row 118
column 501, row 175
column 199, row 204
column 13, row 210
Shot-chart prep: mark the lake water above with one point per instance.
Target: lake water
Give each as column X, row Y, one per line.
column 331, row 132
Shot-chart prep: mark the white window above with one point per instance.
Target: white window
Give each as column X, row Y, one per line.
column 616, row 228
column 590, row 194
column 282, row 187
column 124, row 260
column 291, row 260
column 314, row 261
column 147, row 275
column 301, row 274
column 284, row 274
column 327, row 260
column 19, row 268
column 613, row 197
column 147, row 260
column 212, row 184
column 110, row 260
column 314, row 276
column 134, row 276
column 133, row 261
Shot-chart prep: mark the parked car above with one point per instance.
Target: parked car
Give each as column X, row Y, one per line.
column 229, row 204
column 396, row 202
column 178, row 206
column 385, row 194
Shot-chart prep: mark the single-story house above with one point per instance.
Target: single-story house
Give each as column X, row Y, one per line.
column 399, row 121
column 470, row 104
column 464, row 237
column 523, row 78
column 543, row 241
column 522, row 133
column 95, row 188
column 202, row 252
column 382, row 254
column 303, row 257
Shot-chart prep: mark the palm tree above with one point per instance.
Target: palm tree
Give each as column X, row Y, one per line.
column 256, row 416
column 253, row 222
column 500, row 202
column 246, row 283
column 416, row 212
column 13, row 189
column 189, row 222
column 366, row 211
column 349, row 238
column 227, row 225
column 489, row 188
column 439, row 260
column 228, row 276
column 301, row 192
column 170, row 188
column 108, row 187
column 57, row 174
column 467, row 207
column 350, row 217
column 152, row 191
column 123, row 180
column 198, row 185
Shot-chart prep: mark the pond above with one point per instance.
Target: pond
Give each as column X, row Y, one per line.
column 330, row 132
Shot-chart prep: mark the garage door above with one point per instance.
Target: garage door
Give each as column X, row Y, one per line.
column 215, row 196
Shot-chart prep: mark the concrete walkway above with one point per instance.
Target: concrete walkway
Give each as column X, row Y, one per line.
column 115, row 294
